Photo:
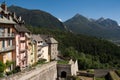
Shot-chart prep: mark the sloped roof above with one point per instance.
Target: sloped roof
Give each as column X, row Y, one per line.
column 28, row 35
column 21, row 28
column 36, row 37
column 44, row 37
column 51, row 40
column 6, row 21
column 1, row 9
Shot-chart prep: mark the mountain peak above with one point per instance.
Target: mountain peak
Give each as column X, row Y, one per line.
column 102, row 27
column 101, row 19
column 37, row 18
column 107, row 22
column 77, row 15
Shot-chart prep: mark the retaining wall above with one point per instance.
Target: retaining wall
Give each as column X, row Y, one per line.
column 44, row 72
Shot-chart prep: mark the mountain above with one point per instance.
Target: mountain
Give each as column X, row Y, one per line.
column 107, row 23
column 105, row 28
column 37, row 18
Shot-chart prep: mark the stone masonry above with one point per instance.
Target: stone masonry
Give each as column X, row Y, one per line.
column 44, row 72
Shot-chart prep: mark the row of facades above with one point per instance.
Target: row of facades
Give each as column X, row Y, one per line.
column 19, row 45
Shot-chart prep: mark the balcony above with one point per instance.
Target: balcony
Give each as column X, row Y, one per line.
column 22, row 38
column 7, row 35
column 7, row 49
column 24, row 58
column 39, row 49
column 23, row 50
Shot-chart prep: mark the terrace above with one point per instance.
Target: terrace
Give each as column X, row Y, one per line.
column 5, row 49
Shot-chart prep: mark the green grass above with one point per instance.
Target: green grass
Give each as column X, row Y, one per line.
column 62, row 62
column 90, row 71
column 41, row 61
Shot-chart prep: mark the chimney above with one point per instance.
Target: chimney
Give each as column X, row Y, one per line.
column 14, row 15
column 3, row 6
column 19, row 18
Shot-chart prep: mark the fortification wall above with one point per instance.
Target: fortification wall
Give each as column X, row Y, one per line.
column 45, row 72
column 67, row 69
column 63, row 68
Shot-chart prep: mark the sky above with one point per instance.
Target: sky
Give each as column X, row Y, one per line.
column 65, row 9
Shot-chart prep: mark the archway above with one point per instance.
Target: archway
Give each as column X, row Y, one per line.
column 63, row 74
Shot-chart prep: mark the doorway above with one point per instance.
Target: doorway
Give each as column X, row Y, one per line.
column 63, row 74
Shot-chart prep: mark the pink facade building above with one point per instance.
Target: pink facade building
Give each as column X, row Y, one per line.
column 21, row 46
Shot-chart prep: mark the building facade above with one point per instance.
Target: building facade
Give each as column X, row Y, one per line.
column 53, row 48
column 30, row 51
column 66, row 70
column 41, row 48
column 7, row 38
column 21, row 38
column 19, row 46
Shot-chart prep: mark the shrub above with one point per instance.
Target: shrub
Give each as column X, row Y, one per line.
column 41, row 61
column 17, row 69
column 2, row 67
column 1, row 75
column 9, row 73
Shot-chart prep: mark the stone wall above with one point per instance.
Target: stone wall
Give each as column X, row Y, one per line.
column 67, row 69
column 74, row 67
column 80, row 73
column 44, row 72
column 64, row 68
column 101, row 72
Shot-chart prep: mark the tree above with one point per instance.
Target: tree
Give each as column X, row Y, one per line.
column 2, row 67
column 8, row 63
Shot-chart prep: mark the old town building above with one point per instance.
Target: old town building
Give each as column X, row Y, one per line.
column 7, row 37
column 41, row 49
column 18, row 46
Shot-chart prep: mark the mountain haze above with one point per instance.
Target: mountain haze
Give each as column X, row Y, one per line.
column 105, row 28
column 37, row 18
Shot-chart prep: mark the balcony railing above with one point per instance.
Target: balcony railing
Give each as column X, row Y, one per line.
column 9, row 48
column 22, row 38
column 24, row 58
column 39, row 48
column 7, row 35
column 22, row 50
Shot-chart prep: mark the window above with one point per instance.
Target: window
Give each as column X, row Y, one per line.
column 8, row 30
column 31, row 53
column 22, row 35
column 8, row 42
column 1, row 16
column 3, row 43
column 31, row 60
column 1, row 31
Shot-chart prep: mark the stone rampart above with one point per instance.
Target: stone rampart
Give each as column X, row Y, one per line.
column 44, row 72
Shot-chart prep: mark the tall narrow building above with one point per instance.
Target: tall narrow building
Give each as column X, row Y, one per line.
column 7, row 38
column 13, row 38
column 21, row 46
column 53, row 48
